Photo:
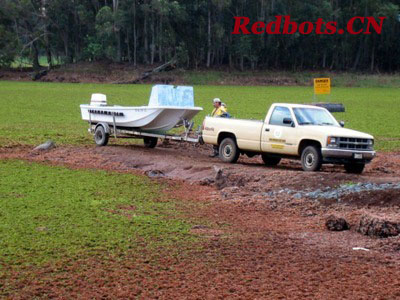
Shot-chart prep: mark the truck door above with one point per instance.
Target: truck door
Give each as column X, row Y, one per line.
column 279, row 133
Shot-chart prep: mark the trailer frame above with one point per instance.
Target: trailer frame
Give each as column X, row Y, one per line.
column 123, row 132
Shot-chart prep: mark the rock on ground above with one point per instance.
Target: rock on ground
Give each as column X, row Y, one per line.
column 155, row 173
column 378, row 226
column 220, row 178
column 334, row 223
column 46, row 146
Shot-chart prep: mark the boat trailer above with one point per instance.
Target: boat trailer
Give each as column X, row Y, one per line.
column 102, row 132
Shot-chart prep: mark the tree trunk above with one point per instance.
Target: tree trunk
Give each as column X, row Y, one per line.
column 66, row 45
column 119, row 51
column 35, row 57
column 134, row 35
column 145, row 42
column 209, row 36
column 153, row 44
column 76, row 20
column 128, row 47
column 373, row 57
column 160, row 39
column 46, row 34
column 358, row 55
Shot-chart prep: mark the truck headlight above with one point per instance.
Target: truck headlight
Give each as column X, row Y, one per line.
column 370, row 144
column 332, row 141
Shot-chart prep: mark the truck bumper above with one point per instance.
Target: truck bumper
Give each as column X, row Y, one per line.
column 342, row 155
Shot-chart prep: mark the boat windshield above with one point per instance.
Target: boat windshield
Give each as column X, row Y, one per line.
column 313, row 116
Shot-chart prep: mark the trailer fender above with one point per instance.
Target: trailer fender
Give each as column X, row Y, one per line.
column 105, row 126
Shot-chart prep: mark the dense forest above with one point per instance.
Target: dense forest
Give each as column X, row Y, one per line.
column 196, row 33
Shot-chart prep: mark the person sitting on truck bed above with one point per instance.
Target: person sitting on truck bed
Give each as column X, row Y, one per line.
column 218, row 111
column 226, row 114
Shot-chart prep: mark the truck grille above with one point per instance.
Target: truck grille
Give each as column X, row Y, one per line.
column 354, row 144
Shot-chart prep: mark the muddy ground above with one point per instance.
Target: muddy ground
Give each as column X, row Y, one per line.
column 262, row 237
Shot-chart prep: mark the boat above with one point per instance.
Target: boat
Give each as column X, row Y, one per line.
column 169, row 107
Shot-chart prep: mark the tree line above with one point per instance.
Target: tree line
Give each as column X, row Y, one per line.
column 196, row 33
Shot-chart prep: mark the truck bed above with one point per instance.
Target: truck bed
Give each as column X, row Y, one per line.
column 247, row 132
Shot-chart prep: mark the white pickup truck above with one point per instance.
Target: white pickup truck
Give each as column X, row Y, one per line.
column 305, row 132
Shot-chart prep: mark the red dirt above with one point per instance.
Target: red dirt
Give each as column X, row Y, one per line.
column 253, row 246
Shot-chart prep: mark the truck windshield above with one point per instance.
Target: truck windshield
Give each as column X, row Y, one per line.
column 313, row 116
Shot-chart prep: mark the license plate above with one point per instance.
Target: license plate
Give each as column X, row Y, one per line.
column 358, row 156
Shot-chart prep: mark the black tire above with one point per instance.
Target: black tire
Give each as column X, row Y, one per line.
column 332, row 107
column 150, row 142
column 229, row 151
column 311, row 159
column 355, row 168
column 270, row 160
column 101, row 136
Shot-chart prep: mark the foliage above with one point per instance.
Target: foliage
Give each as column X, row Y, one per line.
column 35, row 112
column 155, row 31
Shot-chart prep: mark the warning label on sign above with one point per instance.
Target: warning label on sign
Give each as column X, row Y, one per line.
column 322, row 86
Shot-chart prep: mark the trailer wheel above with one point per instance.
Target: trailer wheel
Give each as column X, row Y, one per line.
column 311, row 159
column 150, row 142
column 101, row 136
column 270, row 160
column 355, row 168
column 229, row 151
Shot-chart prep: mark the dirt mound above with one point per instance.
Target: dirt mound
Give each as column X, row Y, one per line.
column 334, row 223
column 379, row 226
column 383, row 198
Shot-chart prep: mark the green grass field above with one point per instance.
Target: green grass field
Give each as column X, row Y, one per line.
column 50, row 213
column 34, row 112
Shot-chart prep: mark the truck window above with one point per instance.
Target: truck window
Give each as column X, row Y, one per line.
column 278, row 115
column 313, row 116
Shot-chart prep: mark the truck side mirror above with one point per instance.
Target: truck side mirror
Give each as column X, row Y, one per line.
column 288, row 121
column 341, row 123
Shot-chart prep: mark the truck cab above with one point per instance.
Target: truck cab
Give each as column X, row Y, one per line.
column 305, row 132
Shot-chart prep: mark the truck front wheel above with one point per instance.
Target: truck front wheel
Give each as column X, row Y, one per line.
column 228, row 150
column 355, row 168
column 270, row 160
column 311, row 159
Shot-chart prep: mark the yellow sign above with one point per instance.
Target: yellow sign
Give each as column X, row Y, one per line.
column 322, row 86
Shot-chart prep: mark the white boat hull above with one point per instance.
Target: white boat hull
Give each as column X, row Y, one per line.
column 144, row 118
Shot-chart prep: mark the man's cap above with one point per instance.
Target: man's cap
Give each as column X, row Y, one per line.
column 217, row 100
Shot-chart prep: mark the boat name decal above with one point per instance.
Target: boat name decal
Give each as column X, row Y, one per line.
column 106, row 112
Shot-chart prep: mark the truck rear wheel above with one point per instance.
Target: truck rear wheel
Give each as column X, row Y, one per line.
column 355, row 168
column 270, row 160
column 228, row 150
column 101, row 136
column 311, row 159
column 150, row 142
